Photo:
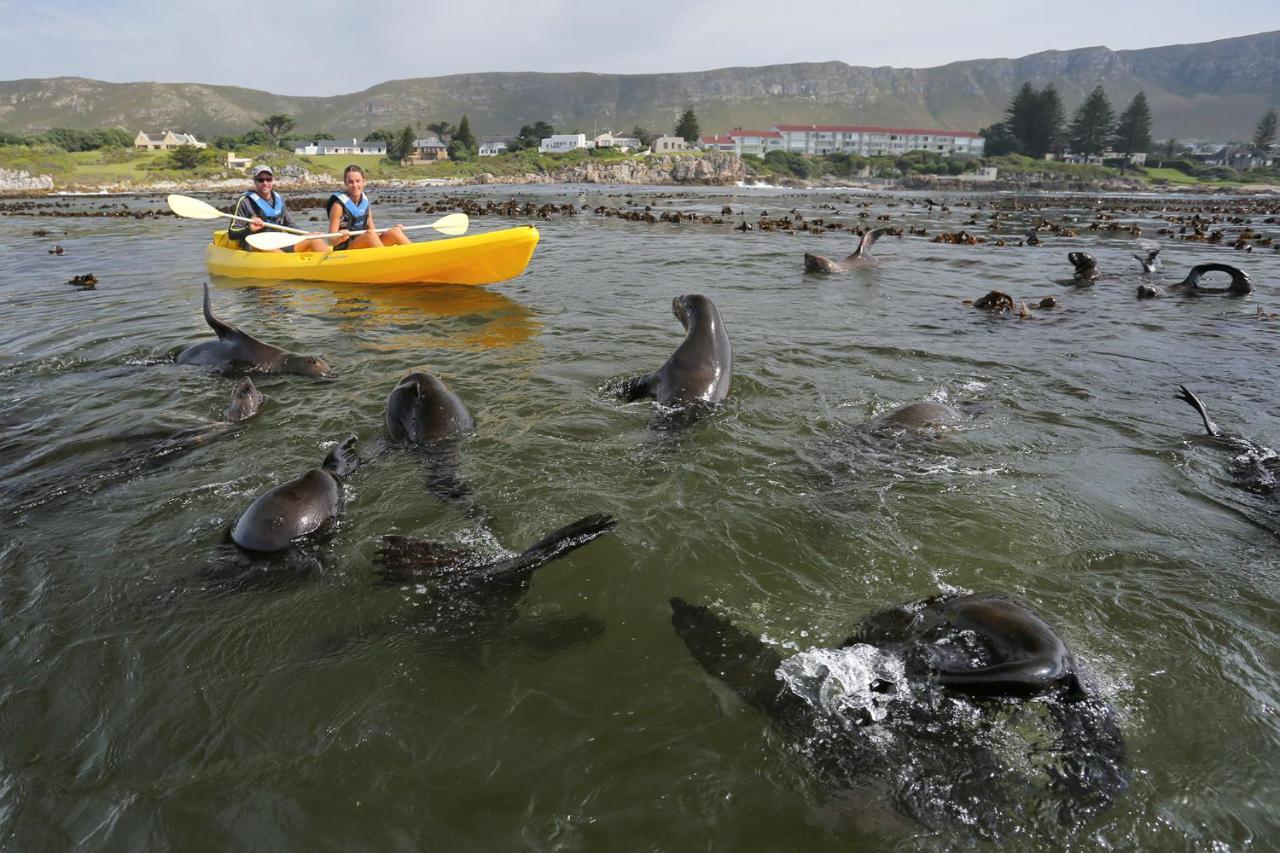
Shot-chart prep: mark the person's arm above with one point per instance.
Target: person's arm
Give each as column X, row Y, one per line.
column 238, row 230
column 335, row 223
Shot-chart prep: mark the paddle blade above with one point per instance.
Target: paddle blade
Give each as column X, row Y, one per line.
column 269, row 240
column 453, row 224
column 193, row 208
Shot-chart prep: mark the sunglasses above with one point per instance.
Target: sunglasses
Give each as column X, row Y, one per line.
column 263, row 180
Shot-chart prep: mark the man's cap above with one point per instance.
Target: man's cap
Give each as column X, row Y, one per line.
column 260, row 168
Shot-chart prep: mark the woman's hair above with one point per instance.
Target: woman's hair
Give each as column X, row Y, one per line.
column 350, row 169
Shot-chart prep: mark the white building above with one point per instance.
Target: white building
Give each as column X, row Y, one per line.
column 492, row 147
column 334, row 146
column 867, row 141
column 623, row 143
column 562, row 142
column 668, row 144
column 166, row 141
column 739, row 141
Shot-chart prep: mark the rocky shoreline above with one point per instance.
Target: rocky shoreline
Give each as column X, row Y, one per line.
column 714, row 168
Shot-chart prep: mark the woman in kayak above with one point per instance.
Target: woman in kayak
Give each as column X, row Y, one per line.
column 351, row 211
column 261, row 204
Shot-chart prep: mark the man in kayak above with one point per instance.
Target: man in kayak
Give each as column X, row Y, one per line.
column 351, row 211
column 261, row 205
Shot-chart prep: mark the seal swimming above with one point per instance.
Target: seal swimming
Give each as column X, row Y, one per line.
column 235, row 348
column 922, row 415
column 1148, row 261
column 299, row 507
column 821, row 263
column 699, row 372
column 1086, row 268
column 1240, row 283
column 1255, row 466
column 424, row 414
column 919, row 686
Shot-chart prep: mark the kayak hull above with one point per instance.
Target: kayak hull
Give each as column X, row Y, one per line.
column 474, row 259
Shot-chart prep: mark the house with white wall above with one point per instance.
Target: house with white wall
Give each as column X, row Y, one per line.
column 166, row 141
column 322, row 147
column 491, row 147
column 872, row 141
column 562, row 142
column 668, row 144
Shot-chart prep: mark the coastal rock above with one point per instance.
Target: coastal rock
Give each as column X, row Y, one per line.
column 15, row 180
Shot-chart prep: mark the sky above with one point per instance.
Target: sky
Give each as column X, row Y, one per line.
column 327, row 48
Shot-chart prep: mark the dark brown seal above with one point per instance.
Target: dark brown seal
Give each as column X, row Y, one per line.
column 235, row 348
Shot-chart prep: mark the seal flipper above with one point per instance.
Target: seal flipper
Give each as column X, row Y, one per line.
column 638, row 388
column 342, row 459
column 868, row 240
column 1194, row 401
column 221, row 328
column 404, row 559
column 740, row 660
column 1011, row 678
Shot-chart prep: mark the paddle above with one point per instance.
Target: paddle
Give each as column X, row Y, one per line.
column 193, row 208
column 452, row 224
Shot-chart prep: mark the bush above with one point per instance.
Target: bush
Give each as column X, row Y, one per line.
column 788, row 163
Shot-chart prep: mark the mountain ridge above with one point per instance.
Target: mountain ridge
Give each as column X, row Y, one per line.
column 1208, row 89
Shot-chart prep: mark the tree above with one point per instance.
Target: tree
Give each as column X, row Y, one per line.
column 187, row 157
column 998, row 140
column 276, row 126
column 442, row 129
column 1133, row 131
column 1020, row 117
column 1053, row 118
column 1265, row 135
column 404, row 145
column 463, row 134
column 1093, row 124
column 531, row 135
column 458, row 150
column 646, row 137
column 687, row 126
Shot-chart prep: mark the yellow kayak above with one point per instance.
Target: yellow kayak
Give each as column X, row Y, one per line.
column 475, row 259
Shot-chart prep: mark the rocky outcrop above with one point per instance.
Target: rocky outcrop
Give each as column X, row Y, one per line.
column 713, row 167
column 11, row 181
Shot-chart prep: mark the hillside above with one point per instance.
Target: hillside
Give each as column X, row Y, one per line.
column 1214, row 90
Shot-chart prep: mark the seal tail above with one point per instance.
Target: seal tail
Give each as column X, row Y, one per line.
column 220, row 327
column 1194, row 402
column 868, row 240
column 403, row 559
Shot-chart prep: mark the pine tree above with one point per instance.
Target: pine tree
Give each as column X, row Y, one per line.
column 1052, row 120
column 1133, row 131
column 405, row 148
column 1265, row 135
column 687, row 127
column 463, row 134
column 1020, row 118
column 1093, row 124
column 997, row 140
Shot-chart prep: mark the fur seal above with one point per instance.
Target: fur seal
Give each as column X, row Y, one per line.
column 1240, row 283
column 917, row 685
column 421, row 409
column 1086, row 268
column 1255, row 466
column 923, row 415
column 424, row 414
column 699, row 372
column 820, row 263
column 301, row 506
column 245, row 401
column 1148, row 261
column 237, row 348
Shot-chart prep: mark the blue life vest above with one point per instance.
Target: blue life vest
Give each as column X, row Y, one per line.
column 355, row 217
column 269, row 213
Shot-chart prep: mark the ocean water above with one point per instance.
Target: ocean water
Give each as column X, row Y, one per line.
column 160, row 690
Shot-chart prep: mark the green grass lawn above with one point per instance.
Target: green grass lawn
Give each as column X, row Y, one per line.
column 1173, row 176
